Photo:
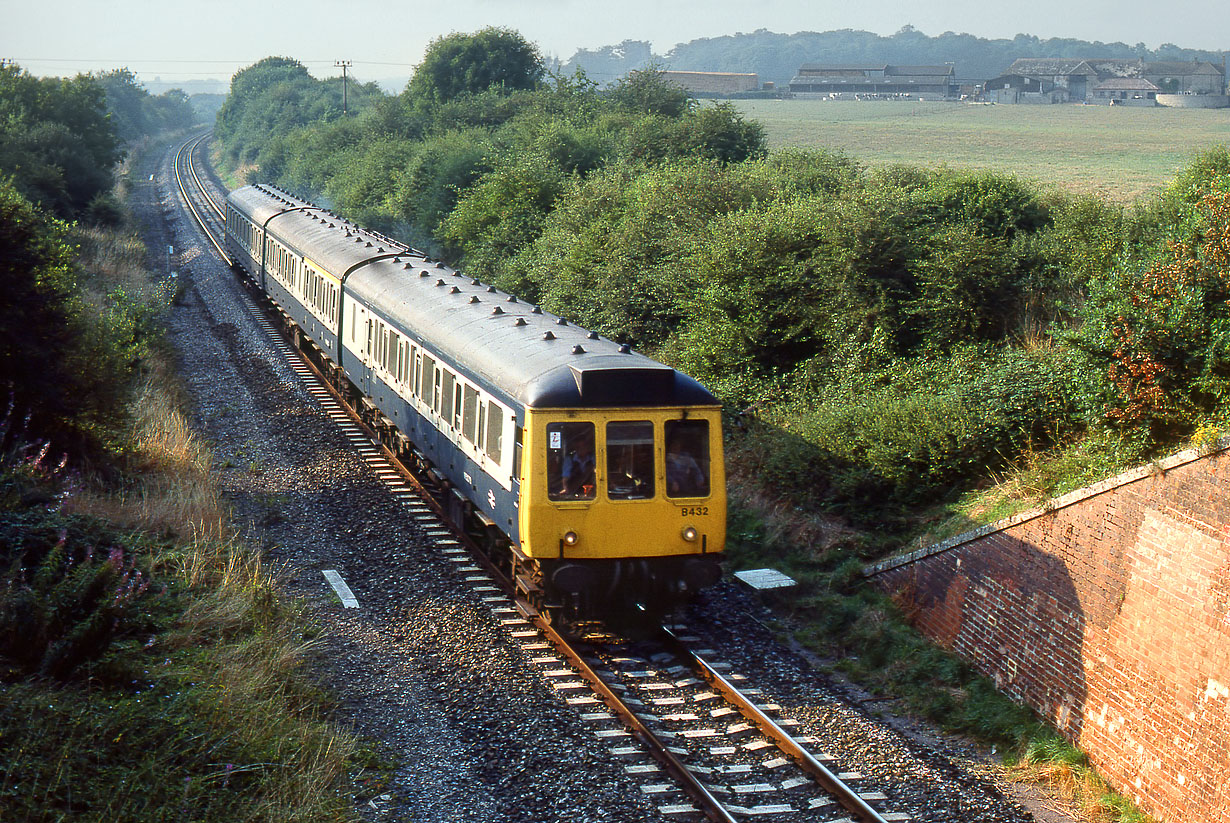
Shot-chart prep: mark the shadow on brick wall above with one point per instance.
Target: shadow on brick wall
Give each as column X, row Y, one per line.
column 1010, row 608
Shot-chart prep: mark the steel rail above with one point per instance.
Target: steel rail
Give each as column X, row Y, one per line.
column 181, row 160
column 847, row 797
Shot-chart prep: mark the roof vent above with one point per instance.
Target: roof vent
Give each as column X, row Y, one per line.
column 537, row 310
column 332, row 226
column 491, row 289
column 497, row 310
column 423, row 273
column 454, row 290
column 578, row 349
column 347, row 234
column 396, row 259
column 559, row 321
column 379, row 249
column 369, row 244
column 475, row 282
column 593, row 335
column 409, row 265
column 512, row 298
column 520, row 322
column 440, row 282
column 440, row 265
column 624, row 348
column 548, row 336
column 473, row 297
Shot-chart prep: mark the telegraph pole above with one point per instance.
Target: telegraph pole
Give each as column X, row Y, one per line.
column 343, row 65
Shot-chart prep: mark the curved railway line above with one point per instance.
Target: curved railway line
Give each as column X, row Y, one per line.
column 657, row 690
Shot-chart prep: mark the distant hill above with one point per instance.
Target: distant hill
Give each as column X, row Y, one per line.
column 777, row 57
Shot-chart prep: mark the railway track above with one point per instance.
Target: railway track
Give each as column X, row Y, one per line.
column 727, row 757
column 205, row 209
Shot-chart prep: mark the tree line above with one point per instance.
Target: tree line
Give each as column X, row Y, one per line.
column 898, row 334
column 777, row 56
column 69, row 341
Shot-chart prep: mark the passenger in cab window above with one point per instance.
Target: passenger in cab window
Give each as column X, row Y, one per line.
column 578, row 469
column 684, row 477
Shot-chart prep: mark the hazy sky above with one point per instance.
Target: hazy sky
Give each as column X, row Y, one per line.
column 177, row 40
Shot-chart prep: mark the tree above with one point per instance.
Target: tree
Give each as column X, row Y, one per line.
column 648, row 92
column 459, row 64
column 126, row 103
column 37, row 309
column 1162, row 335
column 56, row 139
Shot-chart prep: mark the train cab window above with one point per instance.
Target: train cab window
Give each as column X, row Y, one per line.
column 570, row 461
column 687, row 458
column 629, row 460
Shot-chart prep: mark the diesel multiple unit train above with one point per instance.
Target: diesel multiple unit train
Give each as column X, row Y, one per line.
column 593, row 473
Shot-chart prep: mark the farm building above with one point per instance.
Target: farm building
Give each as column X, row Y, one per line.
column 1129, row 91
column 713, row 82
column 1082, row 78
column 1016, row 88
column 870, row 82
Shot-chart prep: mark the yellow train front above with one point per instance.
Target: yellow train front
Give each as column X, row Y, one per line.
column 623, row 497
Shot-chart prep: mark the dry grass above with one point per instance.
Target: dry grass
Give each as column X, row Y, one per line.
column 1077, row 791
column 173, row 493
column 1121, row 154
column 235, row 648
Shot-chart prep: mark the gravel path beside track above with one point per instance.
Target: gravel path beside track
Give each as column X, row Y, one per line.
column 423, row 667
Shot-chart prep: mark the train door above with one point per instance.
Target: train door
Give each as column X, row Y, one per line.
column 367, row 357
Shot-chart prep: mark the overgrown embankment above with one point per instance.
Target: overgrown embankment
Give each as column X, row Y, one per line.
column 150, row 667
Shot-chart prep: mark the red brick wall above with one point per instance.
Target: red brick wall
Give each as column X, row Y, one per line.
column 1108, row 612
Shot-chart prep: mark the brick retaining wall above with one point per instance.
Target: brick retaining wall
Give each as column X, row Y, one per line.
column 1108, row 611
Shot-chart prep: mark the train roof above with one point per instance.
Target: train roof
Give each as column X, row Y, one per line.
column 515, row 349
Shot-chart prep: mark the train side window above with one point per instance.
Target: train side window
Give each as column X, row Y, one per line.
column 414, row 367
column 482, row 425
column 687, row 458
column 435, row 389
column 469, row 414
column 446, row 396
column 629, row 460
column 518, row 439
column 495, row 432
column 570, row 461
column 457, row 405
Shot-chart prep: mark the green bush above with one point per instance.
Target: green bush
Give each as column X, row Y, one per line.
column 926, row 430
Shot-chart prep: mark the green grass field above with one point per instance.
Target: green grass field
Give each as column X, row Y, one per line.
column 1120, row 153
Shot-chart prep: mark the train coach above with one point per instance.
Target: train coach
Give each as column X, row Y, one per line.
column 593, row 473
